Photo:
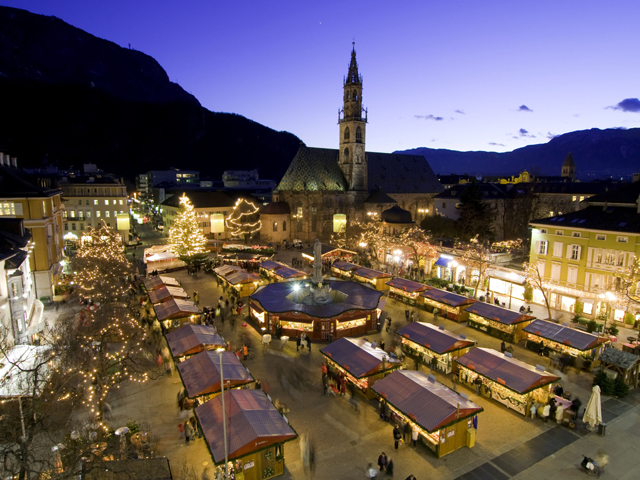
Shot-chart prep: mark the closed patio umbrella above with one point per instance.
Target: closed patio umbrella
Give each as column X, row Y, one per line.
column 593, row 413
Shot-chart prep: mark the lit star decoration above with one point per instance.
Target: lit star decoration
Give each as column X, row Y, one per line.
column 239, row 220
column 186, row 239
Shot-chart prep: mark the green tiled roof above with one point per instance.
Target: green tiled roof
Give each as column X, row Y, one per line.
column 314, row 169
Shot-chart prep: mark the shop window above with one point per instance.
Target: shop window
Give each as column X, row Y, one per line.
column 618, row 314
column 275, row 226
column 600, row 236
column 588, row 308
column 568, row 303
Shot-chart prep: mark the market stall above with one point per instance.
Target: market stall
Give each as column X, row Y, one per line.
column 498, row 322
column 426, row 342
column 406, row 290
column 256, row 433
column 376, row 279
column 151, row 283
column 342, row 269
column 160, row 258
column 174, row 313
column 286, row 308
column 191, row 339
column 288, row 274
column 331, row 254
column 359, row 362
column 450, row 305
column 201, row 378
column 443, row 417
column 268, row 267
column 621, row 363
column 238, row 279
column 509, row 381
column 164, row 293
column 563, row 339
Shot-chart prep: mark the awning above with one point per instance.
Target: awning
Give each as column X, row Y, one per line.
column 443, row 262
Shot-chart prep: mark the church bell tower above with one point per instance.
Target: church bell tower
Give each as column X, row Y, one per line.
column 352, row 119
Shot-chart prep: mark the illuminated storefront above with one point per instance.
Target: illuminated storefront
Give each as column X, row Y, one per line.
column 238, row 279
column 360, row 363
column 444, row 418
column 508, row 381
column 331, row 253
column 342, row 269
column 191, row 339
column 406, row 290
column 507, row 286
column 427, row 342
column 450, row 305
column 175, row 313
column 376, row 279
column 498, row 322
column 566, row 340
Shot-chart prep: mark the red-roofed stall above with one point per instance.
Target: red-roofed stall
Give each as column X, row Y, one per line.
column 450, row 305
column 256, row 433
column 406, row 290
column 175, row 312
column 192, row 339
column 509, row 381
column 443, row 417
column 342, row 269
column 498, row 322
column 372, row 277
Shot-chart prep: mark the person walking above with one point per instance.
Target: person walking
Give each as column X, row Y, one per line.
column 406, row 431
column 406, row 314
column 397, row 436
column 390, row 467
column 503, row 347
column 187, row 432
column 382, row 461
column 309, row 344
column 388, row 323
column 478, row 383
column 411, row 316
column 410, row 477
column 435, row 314
column 414, row 435
column 454, row 382
column 387, row 412
column 298, row 342
column 181, row 430
column 370, row 472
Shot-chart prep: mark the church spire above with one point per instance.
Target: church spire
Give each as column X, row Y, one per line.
column 353, row 78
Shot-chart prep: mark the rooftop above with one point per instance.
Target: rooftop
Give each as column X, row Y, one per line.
column 559, row 333
column 623, row 360
column 359, row 358
column 191, row 339
column 499, row 314
column 201, row 373
column 448, row 298
column 611, row 219
column 435, row 339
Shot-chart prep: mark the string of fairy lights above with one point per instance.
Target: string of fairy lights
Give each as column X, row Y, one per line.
column 236, row 221
column 185, row 236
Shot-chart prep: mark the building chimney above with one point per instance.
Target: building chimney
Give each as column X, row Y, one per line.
column 636, row 177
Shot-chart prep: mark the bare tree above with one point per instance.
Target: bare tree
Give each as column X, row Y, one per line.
column 476, row 257
column 535, row 278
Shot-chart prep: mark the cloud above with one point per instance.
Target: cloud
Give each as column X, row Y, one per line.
column 525, row 133
column 496, row 144
column 428, row 117
column 550, row 135
column 461, row 112
column 524, row 108
column 628, row 105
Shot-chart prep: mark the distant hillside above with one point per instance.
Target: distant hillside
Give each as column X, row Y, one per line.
column 74, row 98
column 597, row 154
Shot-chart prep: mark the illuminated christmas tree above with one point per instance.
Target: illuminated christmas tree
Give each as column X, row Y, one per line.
column 102, row 270
column 243, row 221
column 186, row 239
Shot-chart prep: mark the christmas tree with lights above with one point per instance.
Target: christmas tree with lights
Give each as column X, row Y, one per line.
column 243, row 220
column 186, row 239
column 102, row 270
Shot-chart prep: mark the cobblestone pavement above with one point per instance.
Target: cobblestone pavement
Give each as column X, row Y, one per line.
column 507, row 444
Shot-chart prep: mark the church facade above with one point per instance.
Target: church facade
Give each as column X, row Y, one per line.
column 326, row 188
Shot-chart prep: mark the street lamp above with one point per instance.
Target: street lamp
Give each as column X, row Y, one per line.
column 224, row 418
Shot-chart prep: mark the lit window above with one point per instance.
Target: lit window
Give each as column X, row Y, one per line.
column 95, row 202
column 106, row 213
column 581, row 197
column 574, row 198
column 576, row 234
column 559, row 232
column 88, row 213
column 623, row 239
column 106, row 202
column 542, row 249
column 7, row 208
column 120, row 201
column 601, row 237
column 115, row 202
column 98, row 214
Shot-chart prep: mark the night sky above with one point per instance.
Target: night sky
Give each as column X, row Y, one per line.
column 462, row 75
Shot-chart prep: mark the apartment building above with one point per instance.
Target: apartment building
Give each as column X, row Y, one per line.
column 91, row 199
column 38, row 202
column 582, row 254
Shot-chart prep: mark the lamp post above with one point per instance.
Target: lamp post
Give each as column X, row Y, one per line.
column 224, row 418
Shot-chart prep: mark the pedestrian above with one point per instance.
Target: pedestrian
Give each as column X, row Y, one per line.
column 411, row 316
column 382, row 461
column 478, row 383
column 410, row 477
column 546, row 410
column 379, row 326
column 387, row 412
column 381, row 408
column 325, row 384
column 298, row 342
column 435, row 314
column 390, row 468
column 388, row 323
column 381, row 344
column 181, row 430
column 406, row 315
column 406, row 431
column 454, row 382
column 194, row 426
column 414, row 435
column 370, row 471
column 559, row 414
column 503, row 347
column 397, row 436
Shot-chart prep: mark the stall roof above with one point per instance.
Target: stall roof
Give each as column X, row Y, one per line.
column 371, row 274
column 158, row 257
column 164, row 293
column 242, row 277
column 225, row 270
column 407, row 285
column 271, row 265
column 435, row 339
column 448, row 298
column 175, row 308
column 16, row 378
column 499, row 314
column 288, row 272
column 201, row 373
column 623, row 360
column 151, row 283
column 513, row 374
column 358, row 357
column 345, row 266
column 192, row 339
column 429, row 403
column 277, row 298
column 324, row 250
column 253, row 423
column 559, row 333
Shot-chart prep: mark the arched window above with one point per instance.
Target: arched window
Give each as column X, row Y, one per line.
column 284, row 225
column 346, row 133
column 359, row 135
column 275, row 226
column 314, row 218
column 299, row 216
column 346, row 155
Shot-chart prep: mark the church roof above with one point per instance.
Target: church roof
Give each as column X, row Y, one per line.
column 353, row 77
column 396, row 214
column 568, row 162
column 314, row 169
column 379, row 197
column 397, row 173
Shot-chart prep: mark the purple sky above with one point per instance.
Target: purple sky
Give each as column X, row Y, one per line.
column 462, row 75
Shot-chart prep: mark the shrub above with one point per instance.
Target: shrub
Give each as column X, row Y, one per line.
column 604, row 382
column 592, row 326
column 629, row 318
column 578, row 308
column 620, row 389
column 528, row 292
column 613, row 330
